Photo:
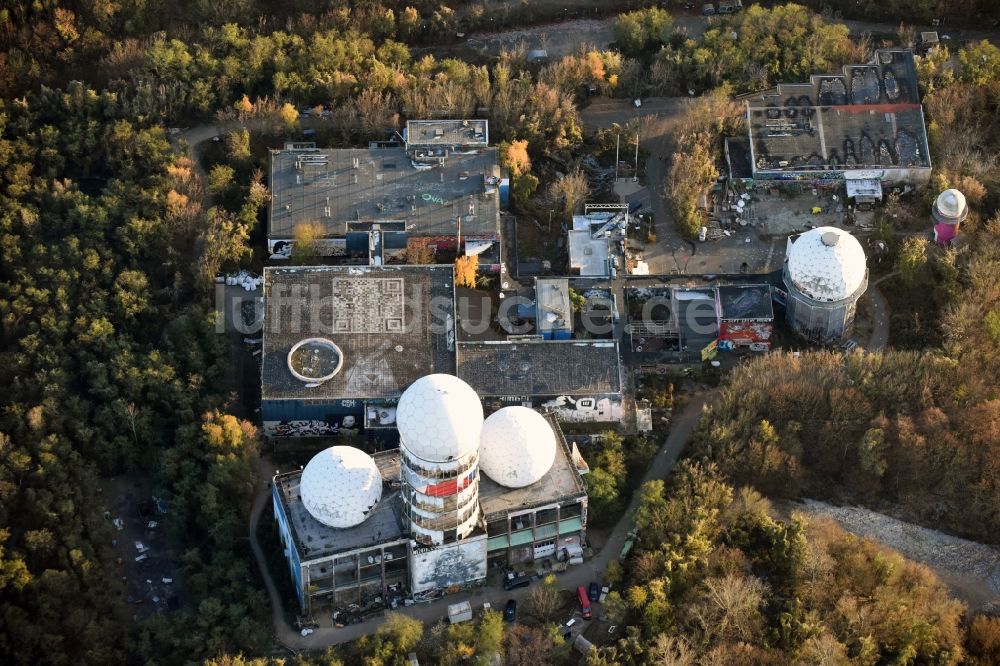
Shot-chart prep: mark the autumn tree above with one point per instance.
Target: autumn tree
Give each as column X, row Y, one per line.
column 984, row 639
column 306, row 237
column 289, row 115
column 530, row 646
column 729, row 608
column 420, row 253
column 224, row 241
column 408, row 23
column 238, row 146
column 465, row 271
column 489, row 636
column 394, row 639
column 692, row 173
column 244, row 108
column 570, row 190
column 911, row 262
column 545, row 599
column 220, row 179
column 514, row 157
column 642, row 30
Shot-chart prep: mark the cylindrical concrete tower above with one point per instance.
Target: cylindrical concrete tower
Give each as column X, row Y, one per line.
column 439, row 419
column 949, row 211
column 825, row 274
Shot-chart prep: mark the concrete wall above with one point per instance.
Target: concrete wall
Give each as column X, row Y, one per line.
column 818, row 321
column 299, row 418
column 281, row 248
column 440, row 567
column 603, row 408
column 891, row 176
column 294, row 565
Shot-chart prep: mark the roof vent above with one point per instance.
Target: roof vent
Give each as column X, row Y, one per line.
column 830, row 238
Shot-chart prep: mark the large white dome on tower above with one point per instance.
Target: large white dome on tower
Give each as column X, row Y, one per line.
column 439, row 418
column 827, row 264
column 340, row 485
column 517, row 447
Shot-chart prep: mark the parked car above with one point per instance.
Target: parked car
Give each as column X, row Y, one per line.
column 514, row 580
column 594, row 591
column 708, row 9
column 510, row 611
column 581, row 595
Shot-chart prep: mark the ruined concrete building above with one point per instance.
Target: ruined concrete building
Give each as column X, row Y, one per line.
column 866, row 118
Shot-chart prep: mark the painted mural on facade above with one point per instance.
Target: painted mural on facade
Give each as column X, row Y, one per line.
column 584, row 410
column 310, row 427
column 325, row 247
column 440, row 567
column 744, row 334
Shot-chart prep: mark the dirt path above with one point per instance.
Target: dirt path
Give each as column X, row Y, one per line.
column 880, row 315
column 970, row 569
column 583, row 574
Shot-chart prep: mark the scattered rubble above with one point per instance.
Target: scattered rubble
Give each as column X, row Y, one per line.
column 244, row 279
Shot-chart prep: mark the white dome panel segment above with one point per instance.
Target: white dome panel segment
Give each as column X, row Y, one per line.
column 951, row 203
column 518, row 447
column 827, row 264
column 340, row 486
column 439, row 418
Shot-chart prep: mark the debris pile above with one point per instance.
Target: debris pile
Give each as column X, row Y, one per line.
column 244, row 279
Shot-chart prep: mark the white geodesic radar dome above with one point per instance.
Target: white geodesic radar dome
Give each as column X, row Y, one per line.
column 340, row 486
column 439, row 418
column 517, row 447
column 951, row 204
column 827, row 264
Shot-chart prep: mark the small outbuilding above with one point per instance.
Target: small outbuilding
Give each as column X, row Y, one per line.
column 949, row 211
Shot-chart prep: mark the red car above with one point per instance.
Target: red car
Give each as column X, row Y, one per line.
column 581, row 593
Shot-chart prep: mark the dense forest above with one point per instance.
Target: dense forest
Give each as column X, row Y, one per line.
column 111, row 364
column 719, row 579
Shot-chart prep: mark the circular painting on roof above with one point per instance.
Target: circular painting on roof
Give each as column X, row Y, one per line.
column 315, row 360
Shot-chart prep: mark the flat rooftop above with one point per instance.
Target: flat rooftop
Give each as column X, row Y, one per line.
column 393, row 325
column 350, row 189
column 844, row 137
column 696, row 316
column 552, row 299
column 587, row 254
column 891, row 78
column 561, row 482
column 386, row 523
column 447, row 133
column 750, row 302
column 313, row 539
column 868, row 116
column 544, row 368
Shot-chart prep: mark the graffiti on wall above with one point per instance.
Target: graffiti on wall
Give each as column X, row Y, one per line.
column 584, row 410
column 309, row 427
column 325, row 247
column 744, row 333
column 445, row 566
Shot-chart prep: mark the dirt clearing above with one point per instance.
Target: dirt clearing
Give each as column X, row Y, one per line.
column 557, row 39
